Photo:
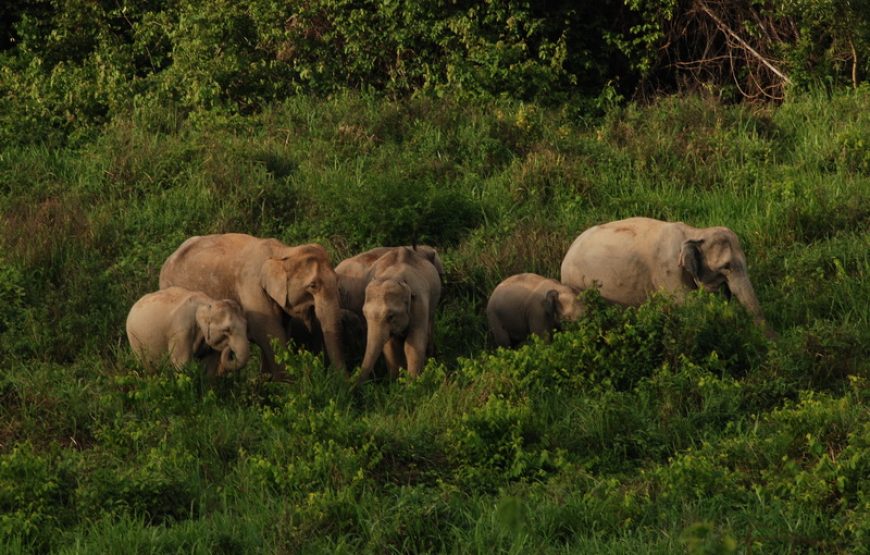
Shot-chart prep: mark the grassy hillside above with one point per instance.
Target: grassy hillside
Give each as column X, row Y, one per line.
column 657, row 429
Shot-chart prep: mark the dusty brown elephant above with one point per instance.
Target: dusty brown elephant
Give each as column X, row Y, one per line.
column 181, row 325
column 526, row 304
column 354, row 273
column 630, row 259
column 399, row 309
column 268, row 279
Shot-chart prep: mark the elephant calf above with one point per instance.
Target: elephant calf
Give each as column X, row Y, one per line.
column 399, row 309
column 527, row 304
column 354, row 273
column 184, row 325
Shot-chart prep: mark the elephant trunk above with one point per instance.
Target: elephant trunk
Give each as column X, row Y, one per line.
column 234, row 356
column 328, row 312
column 742, row 288
column 376, row 338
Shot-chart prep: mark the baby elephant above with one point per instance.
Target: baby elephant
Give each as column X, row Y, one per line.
column 527, row 304
column 399, row 309
column 184, row 325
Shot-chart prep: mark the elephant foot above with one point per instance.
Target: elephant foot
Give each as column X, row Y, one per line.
column 361, row 379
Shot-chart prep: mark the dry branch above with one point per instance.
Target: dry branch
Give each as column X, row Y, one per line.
column 731, row 33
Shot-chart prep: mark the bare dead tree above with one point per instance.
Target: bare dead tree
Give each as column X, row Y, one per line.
column 711, row 43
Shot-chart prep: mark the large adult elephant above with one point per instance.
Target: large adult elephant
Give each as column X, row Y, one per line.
column 630, row 259
column 269, row 279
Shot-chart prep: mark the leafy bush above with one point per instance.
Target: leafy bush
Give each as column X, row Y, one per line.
column 621, row 346
column 35, row 496
column 71, row 67
column 12, row 313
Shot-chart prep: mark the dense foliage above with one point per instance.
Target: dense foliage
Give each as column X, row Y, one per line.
column 657, row 429
column 66, row 66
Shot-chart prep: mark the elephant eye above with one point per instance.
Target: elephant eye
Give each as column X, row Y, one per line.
column 726, row 267
column 313, row 286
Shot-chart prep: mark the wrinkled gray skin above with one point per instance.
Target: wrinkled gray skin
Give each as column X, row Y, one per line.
column 268, row 279
column 184, row 325
column 354, row 273
column 526, row 304
column 630, row 259
column 399, row 309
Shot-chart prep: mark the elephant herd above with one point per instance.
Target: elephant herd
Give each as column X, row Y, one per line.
column 217, row 292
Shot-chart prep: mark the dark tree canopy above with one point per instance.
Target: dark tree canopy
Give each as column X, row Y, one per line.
column 69, row 64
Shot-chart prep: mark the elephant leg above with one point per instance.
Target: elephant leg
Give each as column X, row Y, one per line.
column 262, row 331
column 180, row 351
column 415, row 351
column 499, row 334
column 393, row 355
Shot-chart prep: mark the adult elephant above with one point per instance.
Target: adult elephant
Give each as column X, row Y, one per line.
column 399, row 309
column 630, row 259
column 269, row 279
column 354, row 273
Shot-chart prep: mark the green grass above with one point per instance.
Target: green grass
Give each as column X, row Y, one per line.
column 653, row 430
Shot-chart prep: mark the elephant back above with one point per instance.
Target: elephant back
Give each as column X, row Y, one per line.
column 210, row 264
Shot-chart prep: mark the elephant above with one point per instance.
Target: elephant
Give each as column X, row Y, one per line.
column 526, row 304
column 270, row 281
column 630, row 259
column 354, row 273
column 304, row 327
column 399, row 309
column 184, row 325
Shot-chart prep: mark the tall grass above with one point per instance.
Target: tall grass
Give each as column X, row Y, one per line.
column 655, row 430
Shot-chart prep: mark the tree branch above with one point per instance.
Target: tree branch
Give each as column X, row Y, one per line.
column 730, row 32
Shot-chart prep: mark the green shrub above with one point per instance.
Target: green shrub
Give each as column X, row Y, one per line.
column 12, row 306
column 621, row 346
column 36, row 496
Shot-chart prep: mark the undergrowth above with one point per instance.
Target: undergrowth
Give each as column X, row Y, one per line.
column 657, row 429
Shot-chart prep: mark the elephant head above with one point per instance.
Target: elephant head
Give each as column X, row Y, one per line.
column 224, row 329
column 563, row 305
column 387, row 311
column 303, row 275
column 714, row 261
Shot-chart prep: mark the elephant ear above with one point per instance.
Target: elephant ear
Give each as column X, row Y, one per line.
column 551, row 304
column 432, row 256
column 410, row 294
column 691, row 258
column 273, row 280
